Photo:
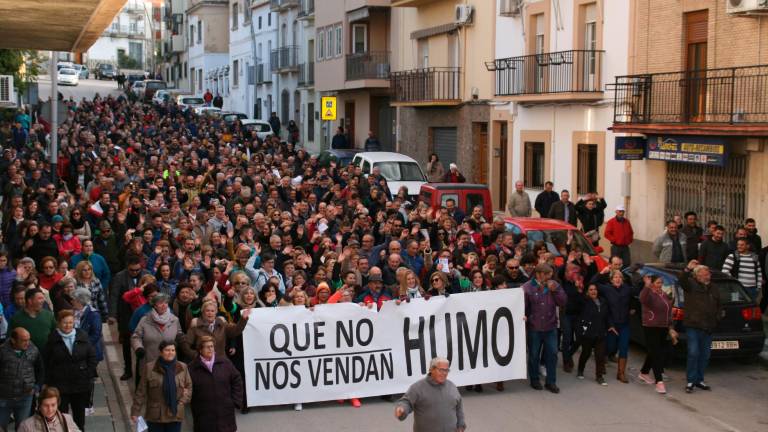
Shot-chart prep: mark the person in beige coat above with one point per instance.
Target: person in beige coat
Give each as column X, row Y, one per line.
column 48, row 418
column 519, row 204
column 208, row 324
column 159, row 325
column 164, row 390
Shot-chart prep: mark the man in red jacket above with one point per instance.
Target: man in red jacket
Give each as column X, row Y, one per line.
column 619, row 232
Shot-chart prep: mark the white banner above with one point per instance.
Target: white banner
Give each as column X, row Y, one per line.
column 341, row 351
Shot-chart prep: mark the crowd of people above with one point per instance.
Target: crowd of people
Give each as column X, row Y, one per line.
column 172, row 227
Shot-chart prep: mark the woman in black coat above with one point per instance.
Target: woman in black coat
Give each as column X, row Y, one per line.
column 592, row 327
column 70, row 366
column 216, row 392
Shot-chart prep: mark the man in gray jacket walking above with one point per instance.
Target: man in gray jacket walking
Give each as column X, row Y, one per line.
column 21, row 369
column 435, row 401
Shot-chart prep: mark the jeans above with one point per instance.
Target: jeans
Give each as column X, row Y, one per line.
column 699, row 347
column 164, row 427
column 752, row 291
column 622, row 340
column 623, row 252
column 549, row 341
column 568, row 345
column 21, row 408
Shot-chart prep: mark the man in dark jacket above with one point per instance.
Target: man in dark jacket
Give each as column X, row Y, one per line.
column 106, row 245
column 755, row 242
column 694, row 234
column 339, row 140
column 42, row 245
column 21, row 369
column 545, row 199
column 702, row 313
column 714, row 250
column 563, row 209
column 274, row 122
column 590, row 211
column 372, row 143
column 121, row 311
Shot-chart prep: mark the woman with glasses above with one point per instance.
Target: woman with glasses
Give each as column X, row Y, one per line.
column 85, row 278
column 210, row 324
column 100, row 267
column 80, row 227
column 49, row 277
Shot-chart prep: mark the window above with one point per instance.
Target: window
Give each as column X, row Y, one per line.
column 311, row 121
column 329, row 38
column 586, row 180
column 246, row 11
column 539, row 47
column 321, row 45
column 448, row 196
column 192, row 72
column 200, row 32
column 359, row 38
column 191, row 35
column 534, row 165
column 235, row 15
column 269, row 19
column 259, row 22
column 474, row 200
column 257, row 111
column 423, row 47
column 235, row 73
column 185, row 69
column 200, row 80
column 339, row 46
column 590, row 44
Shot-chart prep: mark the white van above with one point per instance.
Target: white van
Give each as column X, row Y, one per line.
column 398, row 169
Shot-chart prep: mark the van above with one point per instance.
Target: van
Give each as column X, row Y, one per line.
column 398, row 169
column 466, row 196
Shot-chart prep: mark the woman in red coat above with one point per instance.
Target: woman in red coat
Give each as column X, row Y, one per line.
column 217, row 389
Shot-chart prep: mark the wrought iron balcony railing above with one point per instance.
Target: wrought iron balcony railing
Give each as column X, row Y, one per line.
column 263, row 73
column 434, row 84
column 306, row 9
column 368, row 65
column 284, row 58
column 307, row 74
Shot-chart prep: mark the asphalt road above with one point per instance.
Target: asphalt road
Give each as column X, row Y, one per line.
column 87, row 88
column 737, row 403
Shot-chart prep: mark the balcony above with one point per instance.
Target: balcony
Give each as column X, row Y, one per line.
column 433, row 86
column 124, row 31
column 563, row 76
column 285, row 59
column 281, row 5
column 372, row 65
column 307, row 74
column 728, row 101
column 306, row 10
column 134, row 8
column 263, row 74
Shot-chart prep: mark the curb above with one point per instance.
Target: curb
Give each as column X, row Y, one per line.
column 119, row 390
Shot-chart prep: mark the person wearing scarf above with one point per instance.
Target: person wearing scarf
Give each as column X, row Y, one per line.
column 214, row 379
column 156, row 327
column 166, row 383
column 48, row 418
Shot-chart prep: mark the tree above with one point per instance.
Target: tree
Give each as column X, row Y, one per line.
column 24, row 65
column 126, row 62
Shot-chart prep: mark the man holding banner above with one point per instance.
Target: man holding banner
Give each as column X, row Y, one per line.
column 435, row 401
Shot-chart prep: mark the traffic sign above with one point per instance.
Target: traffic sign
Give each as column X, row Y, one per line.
column 329, row 108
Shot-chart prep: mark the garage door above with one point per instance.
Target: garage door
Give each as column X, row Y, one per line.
column 714, row 193
column 444, row 143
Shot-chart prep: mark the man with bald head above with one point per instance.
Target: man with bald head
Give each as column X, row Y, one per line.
column 21, row 371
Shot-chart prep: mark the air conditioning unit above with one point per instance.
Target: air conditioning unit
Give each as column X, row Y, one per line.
column 7, row 95
column 746, row 7
column 464, row 14
column 510, row 8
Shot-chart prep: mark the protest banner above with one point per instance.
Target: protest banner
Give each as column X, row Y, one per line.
column 340, row 351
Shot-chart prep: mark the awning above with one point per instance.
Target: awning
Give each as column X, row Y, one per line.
column 67, row 26
column 433, row 31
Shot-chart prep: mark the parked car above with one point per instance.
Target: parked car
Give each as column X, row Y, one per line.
column 342, row 157
column 105, row 71
column 398, row 169
column 68, row 76
column 137, row 88
column 208, row 111
column 740, row 332
column 82, row 71
column 555, row 233
column 185, row 102
column 161, row 97
column 150, row 87
column 65, row 64
column 466, row 196
column 131, row 78
column 261, row 128
column 230, row 116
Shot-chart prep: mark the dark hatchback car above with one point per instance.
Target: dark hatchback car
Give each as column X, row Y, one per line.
column 740, row 331
column 342, row 157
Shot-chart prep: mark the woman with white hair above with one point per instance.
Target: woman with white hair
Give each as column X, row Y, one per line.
column 88, row 320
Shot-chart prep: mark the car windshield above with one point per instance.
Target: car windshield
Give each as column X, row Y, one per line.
column 154, row 85
column 106, row 67
column 192, row 101
column 400, row 171
column 67, row 72
column 731, row 292
column 258, row 127
column 555, row 239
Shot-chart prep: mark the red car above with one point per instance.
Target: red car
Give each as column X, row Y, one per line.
column 466, row 196
column 554, row 233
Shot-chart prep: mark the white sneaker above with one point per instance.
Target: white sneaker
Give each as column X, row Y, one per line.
column 298, row 407
column 542, row 370
column 89, row 411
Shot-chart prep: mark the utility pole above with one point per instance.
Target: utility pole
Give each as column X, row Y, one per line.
column 53, row 72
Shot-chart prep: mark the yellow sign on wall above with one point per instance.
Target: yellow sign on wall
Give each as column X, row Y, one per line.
column 329, row 108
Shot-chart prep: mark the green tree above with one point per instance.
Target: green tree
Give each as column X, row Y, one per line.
column 24, row 65
column 127, row 62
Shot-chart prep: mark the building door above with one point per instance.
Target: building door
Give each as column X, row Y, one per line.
column 385, row 120
column 480, row 146
column 715, row 193
column 503, row 172
column 297, row 108
column 349, row 123
column 444, row 143
column 285, row 106
column 695, row 82
column 310, row 122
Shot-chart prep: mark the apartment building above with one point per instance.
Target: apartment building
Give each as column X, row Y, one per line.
column 264, row 23
column 241, row 48
column 695, row 98
column 354, row 48
column 284, row 60
column 309, row 111
column 129, row 41
column 208, row 31
column 173, row 49
column 553, row 119
column 440, row 86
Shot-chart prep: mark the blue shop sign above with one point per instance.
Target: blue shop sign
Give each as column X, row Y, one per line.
column 630, row 148
column 688, row 149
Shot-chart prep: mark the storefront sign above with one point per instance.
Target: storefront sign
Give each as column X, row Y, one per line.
column 630, row 148
column 344, row 350
column 688, row 149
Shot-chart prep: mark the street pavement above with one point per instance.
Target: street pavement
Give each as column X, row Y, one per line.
column 87, row 88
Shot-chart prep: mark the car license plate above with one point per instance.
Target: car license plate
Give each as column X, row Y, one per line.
column 725, row 345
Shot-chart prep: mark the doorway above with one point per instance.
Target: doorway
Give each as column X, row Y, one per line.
column 501, row 155
column 480, row 144
column 285, row 106
column 349, row 123
column 695, row 87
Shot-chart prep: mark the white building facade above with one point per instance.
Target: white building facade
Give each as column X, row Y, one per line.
column 128, row 41
column 309, row 101
column 175, row 67
column 241, row 48
column 208, row 38
column 552, row 113
column 264, row 23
